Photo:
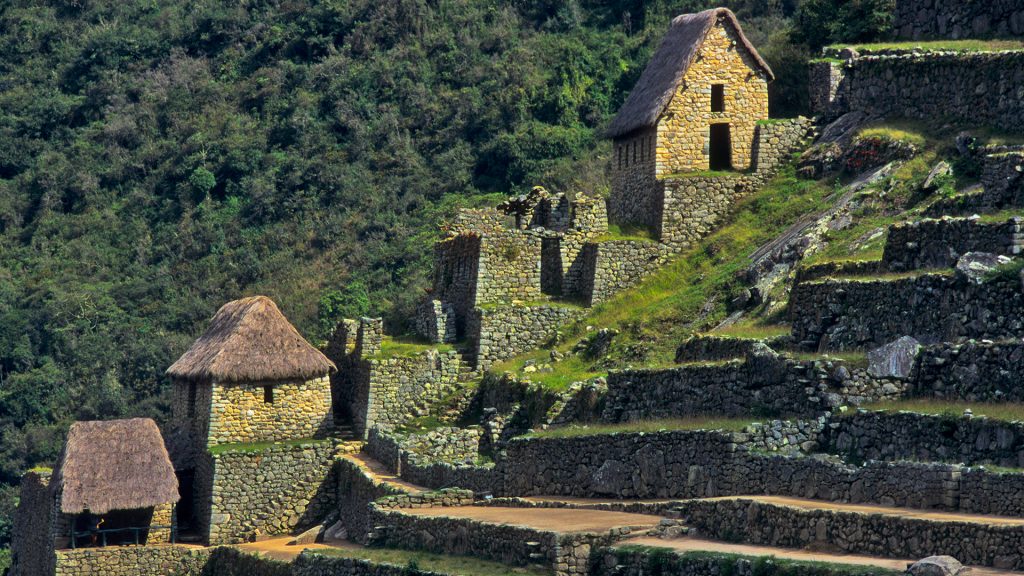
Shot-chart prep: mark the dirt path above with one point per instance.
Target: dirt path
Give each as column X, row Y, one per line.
column 698, row 545
column 280, row 549
column 381, row 474
column 555, row 519
column 870, row 509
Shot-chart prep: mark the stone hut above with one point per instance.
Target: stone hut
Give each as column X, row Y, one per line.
column 114, row 476
column 695, row 108
column 251, row 377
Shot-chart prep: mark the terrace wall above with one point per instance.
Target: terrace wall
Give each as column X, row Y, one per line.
column 958, row 19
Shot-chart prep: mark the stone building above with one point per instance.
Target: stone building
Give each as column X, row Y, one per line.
column 696, row 107
column 250, row 378
column 113, row 485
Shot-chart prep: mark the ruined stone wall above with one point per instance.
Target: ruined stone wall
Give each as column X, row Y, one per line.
column 940, row 243
column 974, row 88
column 769, row 386
column 635, row 198
column 456, row 268
column 924, row 437
column 436, row 321
column 973, row 371
column 509, row 269
column 958, row 18
column 858, row 314
column 355, row 491
column 228, row 561
column 711, row 348
column 683, row 143
column 319, row 565
column 645, row 561
column 241, row 412
column 270, row 490
column 388, row 391
column 612, row 266
column 750, row 522
column 32, row 540
column 132, row 561
column 1002, row 180
column 502, row 332
column 447, row 444
column 190, row 411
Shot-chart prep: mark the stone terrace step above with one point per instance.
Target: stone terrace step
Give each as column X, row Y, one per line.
column 873, row 530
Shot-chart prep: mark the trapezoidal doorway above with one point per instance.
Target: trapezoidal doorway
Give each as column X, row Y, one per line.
column 720, row 148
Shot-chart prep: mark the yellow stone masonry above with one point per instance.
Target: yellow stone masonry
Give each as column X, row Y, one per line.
column 162, row 516
column 683, row 142
column 290, row 411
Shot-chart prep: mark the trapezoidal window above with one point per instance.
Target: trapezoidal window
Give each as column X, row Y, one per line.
column 718, row 97
column 268, row 394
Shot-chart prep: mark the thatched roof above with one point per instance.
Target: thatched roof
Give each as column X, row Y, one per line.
column 249, row 340
column 115, row 465
column 660, row 80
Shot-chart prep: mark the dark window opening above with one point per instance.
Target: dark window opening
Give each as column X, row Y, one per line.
column 718, row 98
column 191, row 399
column 634, row 151
column 618, row 149
column 720, row 147
column 268, row 394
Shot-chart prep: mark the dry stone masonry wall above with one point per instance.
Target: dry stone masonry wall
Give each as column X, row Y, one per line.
column 958, row 18
column 132, row 561
column 612, row 266
column 976, row 371
column 269, row 491
column 270, row 411
column 940, row 243
column 505, row 331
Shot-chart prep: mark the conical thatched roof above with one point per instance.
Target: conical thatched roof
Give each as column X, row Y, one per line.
column 249, row 340
column 115, row 465
column 661, row 78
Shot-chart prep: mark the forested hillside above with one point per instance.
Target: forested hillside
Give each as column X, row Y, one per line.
column 158, row 159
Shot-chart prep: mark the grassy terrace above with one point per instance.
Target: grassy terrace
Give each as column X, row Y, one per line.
column 938, row 45
column 634, row 233
column 751, row 331
column 454, row 565
column 646, row 426
column 1006, row 411
column 249, row 447
column 884, row 276
column 854, row 358
column 402, row 346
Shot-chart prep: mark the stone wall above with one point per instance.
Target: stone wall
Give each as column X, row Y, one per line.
column 509, row 268
column 693, row 206
column 711, row 348
column 973, row 371
column 634, row 198
column 168, row 560
column 940, row 243
column 857, row 314
column 958, row 19
column 270, row 490
column 444, row 458
column 1002, row 180
column 436, row 321
column 312, row 564
column 190, row 416
column 456, row 268
column 391, row 391
column 227, row 561
column 874, row 534
column 766, row 384
column 638, row 561
column 612, row 266
column 883, row 435
column 289, row 411
column 32, row 539
column 947, row 85
column 502, row 332
column 355, row 491
column 447, row 444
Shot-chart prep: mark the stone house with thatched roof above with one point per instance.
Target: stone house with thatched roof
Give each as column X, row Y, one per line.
column 251, row 377
column 695, row 108
column 114, row 484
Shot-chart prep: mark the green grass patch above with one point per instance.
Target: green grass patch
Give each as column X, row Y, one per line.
column 420, row 425
column 1006, row 411
column 560, row 303
column 753, row 330
column 563, row 373
column 41, row 470
column 5, row 559
column 635, row 233
column 895, row 133
column 645, row 426
column 403, row 346
column 455, row 565
column 938, row 45
column 1009, row 272
column 252, row 447
column 885, row 276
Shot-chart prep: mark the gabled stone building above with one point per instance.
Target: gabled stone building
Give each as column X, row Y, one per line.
column 695, row 108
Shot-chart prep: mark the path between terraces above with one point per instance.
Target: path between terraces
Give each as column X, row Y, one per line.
column 593, row 515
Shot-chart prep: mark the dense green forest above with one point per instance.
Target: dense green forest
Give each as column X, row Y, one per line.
column 158, row 159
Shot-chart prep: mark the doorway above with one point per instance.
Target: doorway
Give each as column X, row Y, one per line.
column 720, row 148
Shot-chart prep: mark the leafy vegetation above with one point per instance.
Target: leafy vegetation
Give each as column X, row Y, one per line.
column 454, row 565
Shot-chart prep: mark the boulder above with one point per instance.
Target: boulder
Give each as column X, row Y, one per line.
column 611, row 478
column 895, row 359
column 310, row 536
column 941, row 171
column 974, row 266
column 937, row 566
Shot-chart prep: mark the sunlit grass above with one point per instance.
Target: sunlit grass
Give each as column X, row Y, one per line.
column 752, row 331
column 939, row 45
column 1008, row 411
column 894, row 133
column 851, row 358
column 401, row 346
column 646, row 426
column 634, row 233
